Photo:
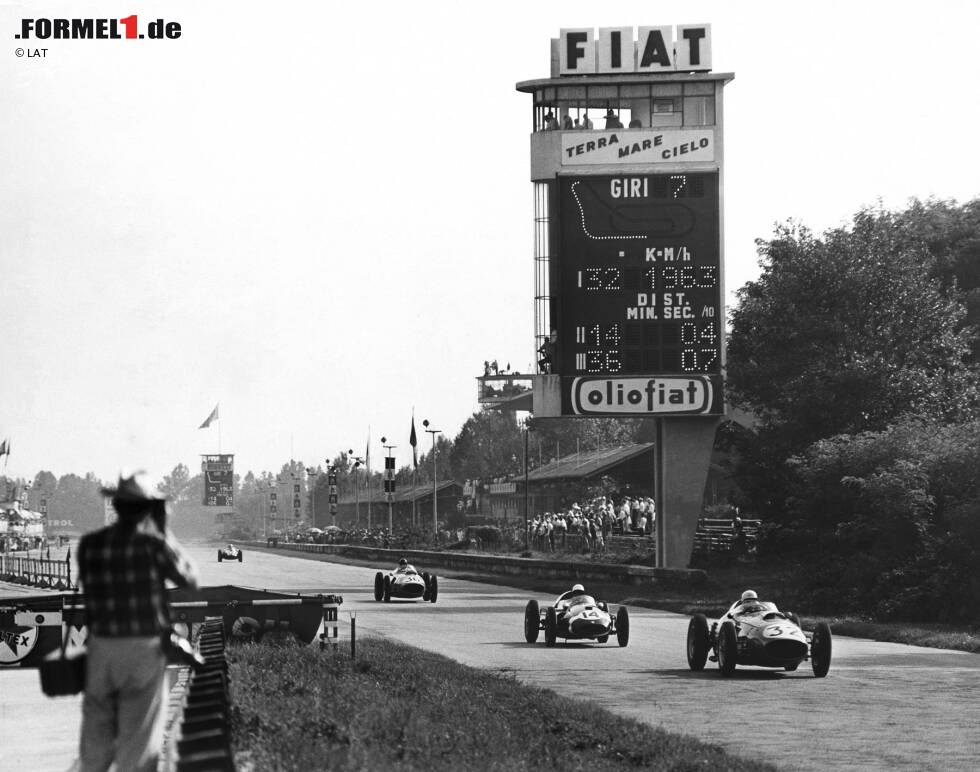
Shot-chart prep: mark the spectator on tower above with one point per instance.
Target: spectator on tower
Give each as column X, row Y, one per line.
column 612, row 120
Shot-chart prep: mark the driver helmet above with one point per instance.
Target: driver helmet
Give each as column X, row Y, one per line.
column 403, row 562
column 749, row 595
column 578, row 588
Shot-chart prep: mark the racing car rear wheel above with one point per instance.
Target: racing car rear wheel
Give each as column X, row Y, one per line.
column 379, row 586
column 623, row 626
column 433, row 588
column 697, row 642
column 386, row 593
column 727, row 648
column 550, row 626
column 820, row 648
column 532, row 621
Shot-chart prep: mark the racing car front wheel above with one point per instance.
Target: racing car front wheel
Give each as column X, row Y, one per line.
column 550, row 626
column 820, row 648
column 379, row 586
column 240, row 553
column 532, row 621
column 433, row 588
column 727, row 648
column 622, row 626
column 697, row 642
column 220, row 556
column 425, row 578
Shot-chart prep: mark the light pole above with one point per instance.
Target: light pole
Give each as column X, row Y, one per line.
column 261, row 513
column 527, row 536
column 357, row 501
column 389, row 469
column 311, row 474
column 435, row 488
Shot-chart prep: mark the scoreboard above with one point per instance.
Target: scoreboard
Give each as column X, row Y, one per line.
column 219, row 480
column 640, row 313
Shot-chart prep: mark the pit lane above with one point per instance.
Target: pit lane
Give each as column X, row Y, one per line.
column 883, row 706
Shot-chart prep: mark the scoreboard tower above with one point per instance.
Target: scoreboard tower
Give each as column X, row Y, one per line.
column 627, row 164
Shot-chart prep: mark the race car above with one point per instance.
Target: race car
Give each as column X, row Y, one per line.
column 407, row 583
column 754, row 632
column 231, row 552
column 575, row 615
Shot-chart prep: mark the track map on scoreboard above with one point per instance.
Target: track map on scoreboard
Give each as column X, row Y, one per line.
column 640, row 288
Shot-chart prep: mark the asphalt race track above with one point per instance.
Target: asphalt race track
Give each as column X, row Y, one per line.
column 883, row 705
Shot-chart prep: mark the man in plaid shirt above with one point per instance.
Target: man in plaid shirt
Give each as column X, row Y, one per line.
column 123, row 572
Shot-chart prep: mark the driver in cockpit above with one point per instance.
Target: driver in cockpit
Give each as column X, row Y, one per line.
column 749, row 603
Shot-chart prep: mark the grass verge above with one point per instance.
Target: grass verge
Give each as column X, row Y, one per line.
column 400, row 708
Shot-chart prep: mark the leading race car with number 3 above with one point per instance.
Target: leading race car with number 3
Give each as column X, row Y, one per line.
column 754, row 632
column 407, row 583
column 575, row 616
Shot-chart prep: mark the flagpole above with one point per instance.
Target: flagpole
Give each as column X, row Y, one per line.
column 413, row 441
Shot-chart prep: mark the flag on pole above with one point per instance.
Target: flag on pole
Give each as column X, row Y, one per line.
column 413, row 440
column 210, row 418
column 367, row 454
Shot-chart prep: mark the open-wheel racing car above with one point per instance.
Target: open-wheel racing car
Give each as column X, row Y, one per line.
column 407, row 583
column 231, row 552
column 575, row 615
column 754, row 632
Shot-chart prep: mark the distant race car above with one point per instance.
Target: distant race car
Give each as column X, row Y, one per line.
column 754, row 632
column 231, row 552
column 575, row 615
column 406, row 583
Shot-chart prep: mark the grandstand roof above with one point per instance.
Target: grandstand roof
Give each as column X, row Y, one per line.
column 581, row 466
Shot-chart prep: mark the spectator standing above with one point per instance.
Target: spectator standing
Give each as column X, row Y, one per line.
column 123, row 571
column 612, row 120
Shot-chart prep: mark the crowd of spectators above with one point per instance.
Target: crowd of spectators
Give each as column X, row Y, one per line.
column 592, row 525
column 586, row 527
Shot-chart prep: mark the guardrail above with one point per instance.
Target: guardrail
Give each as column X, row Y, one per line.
column 200, row 737
column 506, row 564
column 37, row 572
column 717, row 534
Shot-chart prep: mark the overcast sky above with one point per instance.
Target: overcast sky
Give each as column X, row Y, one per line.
column 320, row 214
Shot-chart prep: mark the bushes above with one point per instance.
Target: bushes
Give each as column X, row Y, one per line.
column 888, row 522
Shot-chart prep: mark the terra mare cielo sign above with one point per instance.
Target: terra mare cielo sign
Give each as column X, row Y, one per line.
column 615, row 50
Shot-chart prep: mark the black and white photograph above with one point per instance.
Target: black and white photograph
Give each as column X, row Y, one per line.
column 452, row 386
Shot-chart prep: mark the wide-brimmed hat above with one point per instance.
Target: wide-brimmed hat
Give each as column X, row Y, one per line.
column 134, row 486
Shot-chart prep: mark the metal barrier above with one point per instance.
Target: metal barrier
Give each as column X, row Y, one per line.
column 37, row 572
column 725, row 535
column 203, row 737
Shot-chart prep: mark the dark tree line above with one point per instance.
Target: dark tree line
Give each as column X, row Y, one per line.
column 856, row 354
